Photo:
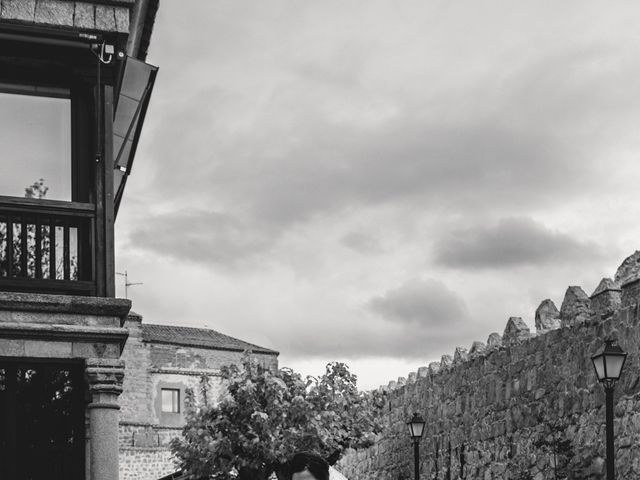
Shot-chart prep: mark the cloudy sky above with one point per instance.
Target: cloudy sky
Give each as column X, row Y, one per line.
column 379, row 182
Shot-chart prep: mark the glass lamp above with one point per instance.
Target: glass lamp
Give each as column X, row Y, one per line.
column 608, row 363
column 416, row 427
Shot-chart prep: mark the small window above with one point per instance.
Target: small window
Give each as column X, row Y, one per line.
column 170, row 400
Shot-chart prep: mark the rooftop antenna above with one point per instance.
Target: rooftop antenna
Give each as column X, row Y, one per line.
column 127, row 284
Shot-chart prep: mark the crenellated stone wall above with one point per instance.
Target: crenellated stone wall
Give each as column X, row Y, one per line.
column 490, row 408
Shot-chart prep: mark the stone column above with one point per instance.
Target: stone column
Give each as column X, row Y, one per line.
column 104, row 378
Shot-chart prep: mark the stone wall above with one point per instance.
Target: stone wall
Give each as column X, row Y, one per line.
column 145, row 432
column 488, row 408
column 143, row 463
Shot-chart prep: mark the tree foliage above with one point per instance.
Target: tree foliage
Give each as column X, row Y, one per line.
column 37, row 189
column 554, row 442
column 265, row 416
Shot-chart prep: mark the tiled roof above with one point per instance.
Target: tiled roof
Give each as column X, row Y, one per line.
column 197, row 337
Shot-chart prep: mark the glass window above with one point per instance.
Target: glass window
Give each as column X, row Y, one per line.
column 35, row 139
column 171, row 400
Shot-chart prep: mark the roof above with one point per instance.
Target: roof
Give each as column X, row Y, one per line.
column 150, row 18
column 198, row 337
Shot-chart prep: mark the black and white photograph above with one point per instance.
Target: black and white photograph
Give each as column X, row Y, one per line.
column 319, row 240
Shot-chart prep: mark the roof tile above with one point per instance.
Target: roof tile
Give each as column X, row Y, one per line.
column 197, row 337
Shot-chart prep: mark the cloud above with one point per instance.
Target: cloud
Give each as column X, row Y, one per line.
column 425, row 303
column 273, row 154
column 510, row 242
column 333, row 156
column 420, row 319
column 275, row 137
column 199, row 237
column 361, row 242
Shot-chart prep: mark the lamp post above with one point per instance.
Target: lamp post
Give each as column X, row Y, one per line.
column 608, row 364
column 416, row 429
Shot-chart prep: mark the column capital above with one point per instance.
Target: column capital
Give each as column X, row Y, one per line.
column 104, row 378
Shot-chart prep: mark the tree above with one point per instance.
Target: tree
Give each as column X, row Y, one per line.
column 518, row 469
column 555, row 443
column 518, row 465
column 265, row 416
column 37, row 190
column 551, row 441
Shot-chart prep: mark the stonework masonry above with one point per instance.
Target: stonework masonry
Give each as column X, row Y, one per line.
column 154, row 362
column 489, row 410
column 85, row 330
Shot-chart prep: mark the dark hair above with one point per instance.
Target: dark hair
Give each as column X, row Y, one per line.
column 316, row 465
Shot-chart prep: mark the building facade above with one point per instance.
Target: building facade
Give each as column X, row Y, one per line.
column 74, row 90
column 162, row 363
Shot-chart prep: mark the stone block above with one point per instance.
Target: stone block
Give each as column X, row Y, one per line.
column 515, row 332
column 122, row 19
column 494, row 340
column 412, row 377
column 629, row 270
column 477, row 349
column 576, row 307
column 401, row 381
column 434, row 367
column 54, row 12
column 106, row 18
column 446, row 361
column 85, row 15
column 597, row 467
column 460, row 355
column 146, row 439
column 24, row 10
column 11, row 347
column 95, row 350
column 65, row 304
column 606, row 298
column 547, row 316
column 47, row 349
column 630, row 294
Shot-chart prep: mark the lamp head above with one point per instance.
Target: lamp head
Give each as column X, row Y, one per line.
column 416, row 427
column 608, row 363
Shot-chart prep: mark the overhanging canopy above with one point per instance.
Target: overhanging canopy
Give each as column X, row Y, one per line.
column 132, row 101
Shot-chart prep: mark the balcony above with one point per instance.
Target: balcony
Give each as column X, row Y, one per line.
column 47, row 246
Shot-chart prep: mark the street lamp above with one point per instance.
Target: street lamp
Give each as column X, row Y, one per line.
column 416, row 429
column 608, row 364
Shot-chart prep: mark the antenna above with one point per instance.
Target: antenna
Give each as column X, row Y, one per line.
column 127, row 284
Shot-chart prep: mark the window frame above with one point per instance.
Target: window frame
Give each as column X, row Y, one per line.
column 169, row 419
column 175, row 400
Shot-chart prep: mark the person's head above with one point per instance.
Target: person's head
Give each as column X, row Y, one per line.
column 308, row 466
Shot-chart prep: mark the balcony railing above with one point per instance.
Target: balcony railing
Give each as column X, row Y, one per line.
column 47, row 246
